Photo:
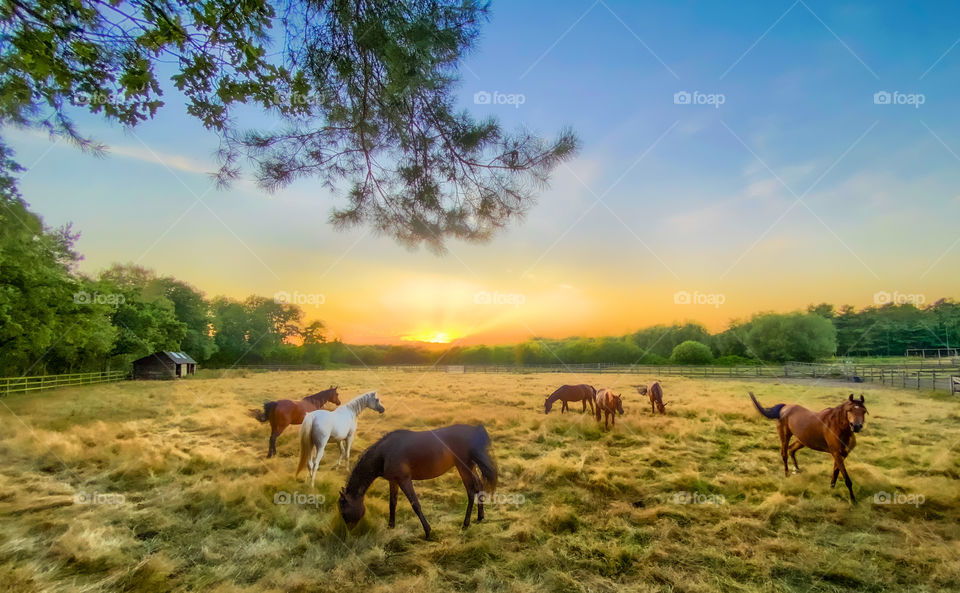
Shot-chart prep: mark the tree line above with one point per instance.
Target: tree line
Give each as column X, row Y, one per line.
column 53, row 319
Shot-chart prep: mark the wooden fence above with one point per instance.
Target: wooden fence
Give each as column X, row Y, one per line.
column 10, row 385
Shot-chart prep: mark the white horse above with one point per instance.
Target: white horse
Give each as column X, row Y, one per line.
column 320, row 426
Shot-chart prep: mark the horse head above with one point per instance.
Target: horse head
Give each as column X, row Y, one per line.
column 662, row 406
column 351, row 508
column 374, row 403
column 618, row 400
column 547, row 404
column 855, row 411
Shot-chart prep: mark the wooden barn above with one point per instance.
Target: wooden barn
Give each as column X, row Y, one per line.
column 164, row 365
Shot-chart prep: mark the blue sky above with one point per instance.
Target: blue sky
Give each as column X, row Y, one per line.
column 797, row 189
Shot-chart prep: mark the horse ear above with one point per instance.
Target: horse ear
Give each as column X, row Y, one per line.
column 851, row 397
column 861, row 399
column 343, row 492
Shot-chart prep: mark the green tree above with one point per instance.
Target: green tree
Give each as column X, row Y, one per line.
column 803, row 337
column 691, row 352
column 362, row 90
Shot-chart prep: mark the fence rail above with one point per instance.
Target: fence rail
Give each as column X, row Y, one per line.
column 10, row 385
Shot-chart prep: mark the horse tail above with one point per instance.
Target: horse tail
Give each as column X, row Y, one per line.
column 771, row 413
column 264, row 414
column 306, row 443
column 479, row 454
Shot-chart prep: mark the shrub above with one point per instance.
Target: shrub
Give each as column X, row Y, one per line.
column 692, row 352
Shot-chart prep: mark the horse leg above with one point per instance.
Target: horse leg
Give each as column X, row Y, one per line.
column 479, row 484
column 315, row 465
column 838, row 459
column 584, row 402
column 343, row 451
column 393, row 504
column 836, row 472
column 411, row 494
column 279, row 425
column 653, row 409
column 350, row 436
column 470, row 483
column 563, row 407
column 784, row 442
column 793, row 453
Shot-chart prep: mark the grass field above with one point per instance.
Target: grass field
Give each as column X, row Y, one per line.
column 164, row 486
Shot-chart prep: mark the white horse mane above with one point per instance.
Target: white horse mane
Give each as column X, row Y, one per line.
column 361, row 401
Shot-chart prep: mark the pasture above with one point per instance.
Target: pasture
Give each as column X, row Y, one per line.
column 157, row 486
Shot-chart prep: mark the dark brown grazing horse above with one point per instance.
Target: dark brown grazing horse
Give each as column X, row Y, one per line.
column 609, row 404
column 655, row 393
column 830, row 430
column 571, row 393
column 284, row 412
column 402, row 456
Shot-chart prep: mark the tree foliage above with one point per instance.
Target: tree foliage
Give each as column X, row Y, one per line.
column 691, row 352
column 362, row 92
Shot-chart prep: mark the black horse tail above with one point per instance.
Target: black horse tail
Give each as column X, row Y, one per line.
column 771, row 413
column 479, row 454
column 263, row 415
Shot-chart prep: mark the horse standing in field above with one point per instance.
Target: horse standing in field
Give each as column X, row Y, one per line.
column 284, row 412
column 571, row 393
column 402, row 456
column 655, row 393
column 609, row 404
column 340, row 425
column 830, row 430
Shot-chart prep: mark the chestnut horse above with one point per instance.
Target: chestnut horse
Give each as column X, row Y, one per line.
column 284, row 412
column 830, row 430
column 571, row 393
column 609, row 404
column 655, row 393
column 402, row 456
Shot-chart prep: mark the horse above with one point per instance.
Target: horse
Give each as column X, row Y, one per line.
column 402, row 456
column 340, row 425
column 284, row 412
column 571, row 393
column 609, row 404
column 655, row 393
column 830, row 430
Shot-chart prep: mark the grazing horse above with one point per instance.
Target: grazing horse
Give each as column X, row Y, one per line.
column 830, row 430
column 340, row 425
column 402, row 456
column 609, row 404
column 571, row 393
column 655, row 393
column 284, row 412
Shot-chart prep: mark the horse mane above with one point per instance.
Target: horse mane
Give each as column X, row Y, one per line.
column 368, row 468
column 359, row 402
column 835, row 417
column 322, row 395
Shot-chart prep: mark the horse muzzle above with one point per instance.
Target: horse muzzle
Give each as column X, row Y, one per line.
column 857, row 427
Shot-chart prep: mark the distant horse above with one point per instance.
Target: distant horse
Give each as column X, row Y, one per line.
column 571, row 393
column 284, row 412
column 402, row 456
column 608, row 404
column 655, row 393
column 340, row 425
column 830, row 430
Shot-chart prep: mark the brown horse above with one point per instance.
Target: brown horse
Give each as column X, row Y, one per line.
column 655, row 393
column 830, row 430
column 571, row 393
column 609, row 404
column 284, row 412
column 402, row 456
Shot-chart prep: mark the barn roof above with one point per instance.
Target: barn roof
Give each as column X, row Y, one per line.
column 176, row 357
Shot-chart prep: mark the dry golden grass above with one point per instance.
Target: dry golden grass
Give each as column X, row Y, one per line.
column 164, row 486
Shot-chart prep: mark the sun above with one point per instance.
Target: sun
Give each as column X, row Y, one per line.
column 436, row 337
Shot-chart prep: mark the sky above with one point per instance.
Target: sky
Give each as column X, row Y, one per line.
column 736, row 158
